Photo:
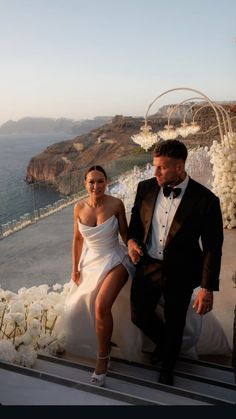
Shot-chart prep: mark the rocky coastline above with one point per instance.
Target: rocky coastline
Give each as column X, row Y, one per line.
column 62, row 164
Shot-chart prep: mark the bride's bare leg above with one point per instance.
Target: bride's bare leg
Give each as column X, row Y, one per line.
column 108, row 292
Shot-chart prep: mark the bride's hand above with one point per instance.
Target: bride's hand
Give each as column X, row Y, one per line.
column 75, row 276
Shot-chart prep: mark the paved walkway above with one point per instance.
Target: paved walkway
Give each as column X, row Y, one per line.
column 38, row 254
column 41, row 253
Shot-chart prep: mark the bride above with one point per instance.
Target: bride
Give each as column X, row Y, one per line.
column 100, row 269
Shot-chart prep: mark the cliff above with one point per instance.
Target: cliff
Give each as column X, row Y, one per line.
column 63, row 164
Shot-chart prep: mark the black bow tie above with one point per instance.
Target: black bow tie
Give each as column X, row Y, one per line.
column 168, row 189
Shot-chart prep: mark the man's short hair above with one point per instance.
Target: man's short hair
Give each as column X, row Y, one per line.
column 171, row 148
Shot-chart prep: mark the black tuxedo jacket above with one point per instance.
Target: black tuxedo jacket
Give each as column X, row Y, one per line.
column 198, row 219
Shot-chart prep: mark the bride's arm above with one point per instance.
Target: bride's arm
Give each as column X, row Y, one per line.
column 122, row 221
column 77, row 245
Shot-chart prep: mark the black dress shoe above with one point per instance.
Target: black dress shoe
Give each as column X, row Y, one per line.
column 156, row 356
column 166, row 377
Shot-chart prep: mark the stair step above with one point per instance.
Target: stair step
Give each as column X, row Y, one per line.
column 19, row 389
column 193, row 385
column 133, row 383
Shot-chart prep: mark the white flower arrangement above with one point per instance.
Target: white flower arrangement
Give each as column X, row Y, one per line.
column 27, row 323
column 223, row 158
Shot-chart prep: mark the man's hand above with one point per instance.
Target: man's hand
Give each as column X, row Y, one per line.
column 134, row 251
column 203, row 302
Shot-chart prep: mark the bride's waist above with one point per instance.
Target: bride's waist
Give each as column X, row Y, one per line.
column 100, row 246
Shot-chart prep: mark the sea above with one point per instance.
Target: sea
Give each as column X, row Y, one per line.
column 16, row 196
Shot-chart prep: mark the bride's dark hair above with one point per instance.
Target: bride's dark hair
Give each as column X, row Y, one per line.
column 98, row 168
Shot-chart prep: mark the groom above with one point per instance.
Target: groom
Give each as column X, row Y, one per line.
column 175, row 239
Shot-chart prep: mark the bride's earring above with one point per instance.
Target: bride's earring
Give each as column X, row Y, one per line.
column 99, row 379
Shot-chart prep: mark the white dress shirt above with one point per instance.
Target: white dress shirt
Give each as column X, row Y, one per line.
column 164, row 212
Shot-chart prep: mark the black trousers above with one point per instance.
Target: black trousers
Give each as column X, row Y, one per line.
column 148, row 285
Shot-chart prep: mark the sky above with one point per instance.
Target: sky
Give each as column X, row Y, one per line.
column 86, row 58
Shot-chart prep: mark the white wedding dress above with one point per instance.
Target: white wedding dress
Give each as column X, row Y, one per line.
column 102, row 251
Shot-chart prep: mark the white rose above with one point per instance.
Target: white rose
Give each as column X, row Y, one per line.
column 17, row 306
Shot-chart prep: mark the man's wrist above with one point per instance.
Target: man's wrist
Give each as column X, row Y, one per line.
column 133, row 239
column 129, row 240
column 207, row 291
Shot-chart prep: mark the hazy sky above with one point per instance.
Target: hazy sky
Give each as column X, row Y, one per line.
column 86, row 58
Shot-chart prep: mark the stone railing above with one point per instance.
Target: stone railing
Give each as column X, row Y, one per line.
column 29, row 218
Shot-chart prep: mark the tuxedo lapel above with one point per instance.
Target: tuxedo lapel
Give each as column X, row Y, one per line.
column 149, row 205
column 184, row 209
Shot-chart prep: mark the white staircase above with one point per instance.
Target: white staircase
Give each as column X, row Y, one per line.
column 59, row 381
